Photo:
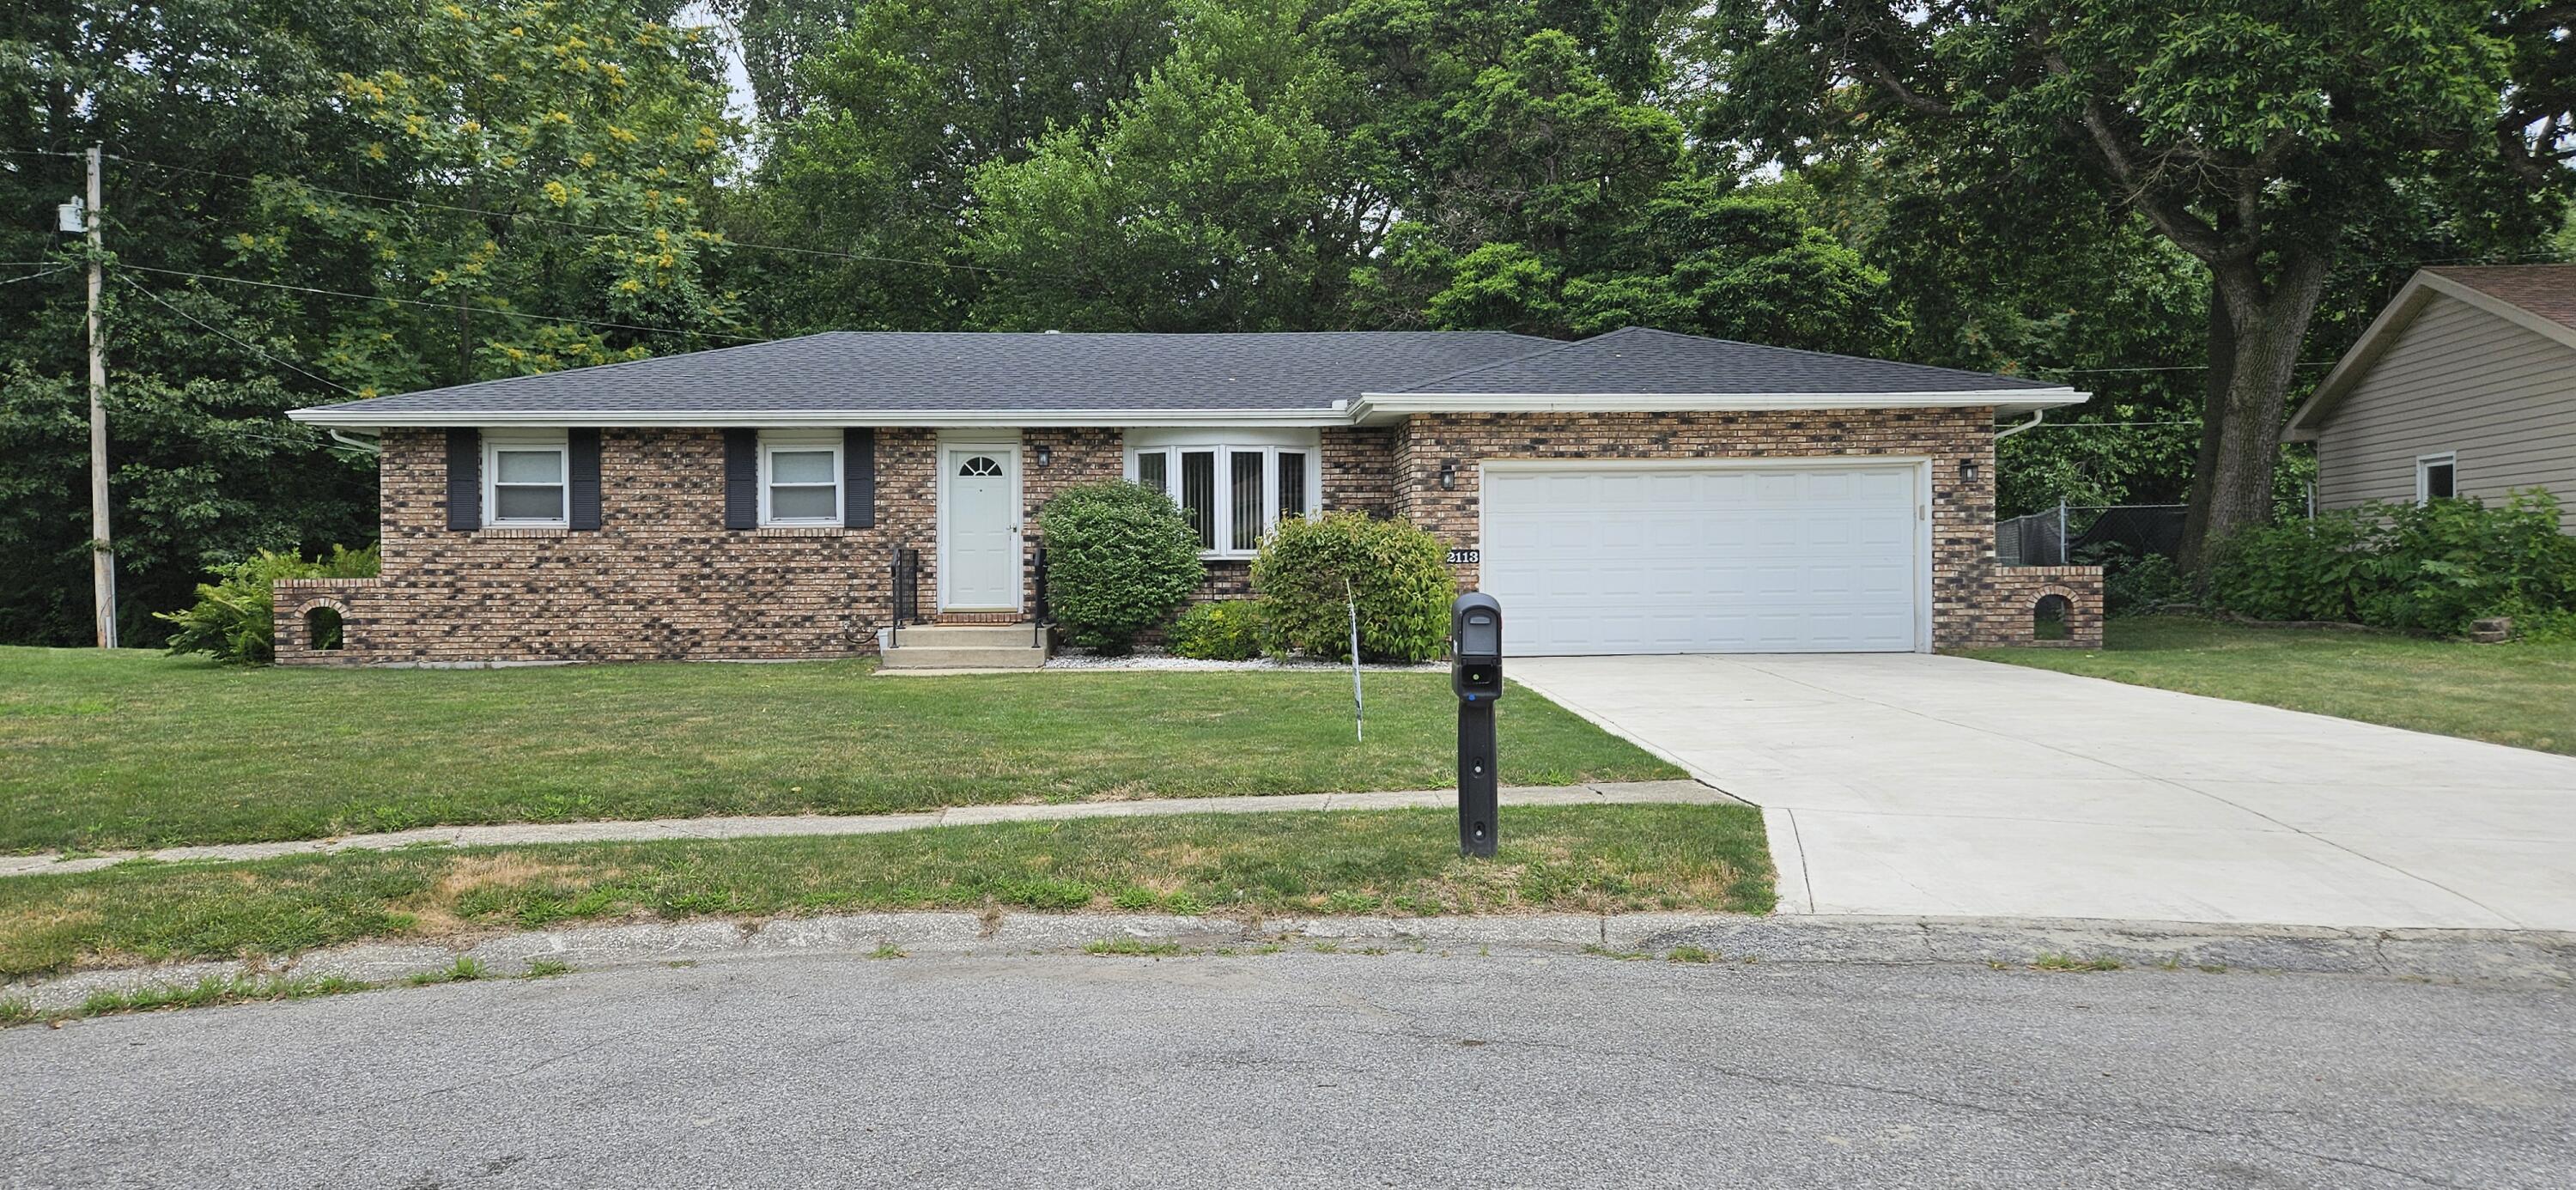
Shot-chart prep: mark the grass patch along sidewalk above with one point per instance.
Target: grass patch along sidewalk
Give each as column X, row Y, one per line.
column 104, row 751
column 1579, row 858
column 2517, row 694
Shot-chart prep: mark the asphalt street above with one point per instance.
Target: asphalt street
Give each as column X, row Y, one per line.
column 1306, row 1069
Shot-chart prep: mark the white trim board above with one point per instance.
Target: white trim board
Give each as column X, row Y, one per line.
column 1369, row 409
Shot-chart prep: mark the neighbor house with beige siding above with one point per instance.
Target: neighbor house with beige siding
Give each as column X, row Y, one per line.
column 2464, row 386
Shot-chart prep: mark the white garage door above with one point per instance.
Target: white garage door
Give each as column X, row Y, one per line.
column 1705, row 559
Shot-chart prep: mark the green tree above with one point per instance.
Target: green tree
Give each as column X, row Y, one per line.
column 2265, row 140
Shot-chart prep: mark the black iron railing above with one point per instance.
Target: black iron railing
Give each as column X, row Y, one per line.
column 907, row 591
column 1038, row 607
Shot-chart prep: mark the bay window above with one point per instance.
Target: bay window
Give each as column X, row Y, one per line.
column 1233, row 486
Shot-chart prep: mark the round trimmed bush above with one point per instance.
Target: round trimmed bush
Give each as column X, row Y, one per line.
column 1119, row 559
column 1225, row 630
column 1399, row 573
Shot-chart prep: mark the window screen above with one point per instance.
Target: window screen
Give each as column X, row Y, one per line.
column 803, row 485
column 528, row 485
column 1198, row 494
column 1154, row 471
column 1292, row 484
column 1246, row 491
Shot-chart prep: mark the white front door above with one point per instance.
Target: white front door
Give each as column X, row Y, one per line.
column 1822, row 556
column 979, row 528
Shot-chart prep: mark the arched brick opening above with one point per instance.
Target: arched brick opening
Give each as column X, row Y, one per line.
column 325, row 623
column 2052, row 615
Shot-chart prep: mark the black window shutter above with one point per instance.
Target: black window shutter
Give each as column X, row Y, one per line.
column 859, row 478
column 464, row 480
column 742, row 479
column 583, row 447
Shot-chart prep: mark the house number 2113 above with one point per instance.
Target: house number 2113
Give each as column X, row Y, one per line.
column 1465, row 557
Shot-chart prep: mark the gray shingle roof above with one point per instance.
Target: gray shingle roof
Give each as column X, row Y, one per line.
column 965, row 372
column 1640, row 360
column 900, row 371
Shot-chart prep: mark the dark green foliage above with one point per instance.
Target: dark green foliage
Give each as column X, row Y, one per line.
column 231, row 619
column 2428, row 568
column 2142, row 586
column 1119, row 559
column 1399, row 574
column 1220, row 630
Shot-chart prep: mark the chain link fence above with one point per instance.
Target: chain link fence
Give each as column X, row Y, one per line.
column 2074, row 533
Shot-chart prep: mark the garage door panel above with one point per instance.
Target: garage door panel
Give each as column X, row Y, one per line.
column 1705, row 559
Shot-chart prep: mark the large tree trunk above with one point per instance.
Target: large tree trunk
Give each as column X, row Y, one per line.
column 2260, row 340
column 2221, row 375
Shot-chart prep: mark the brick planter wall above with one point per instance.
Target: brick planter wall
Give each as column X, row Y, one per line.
column 2008, row 598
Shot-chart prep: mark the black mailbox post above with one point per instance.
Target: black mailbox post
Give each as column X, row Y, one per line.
column 1476, row 673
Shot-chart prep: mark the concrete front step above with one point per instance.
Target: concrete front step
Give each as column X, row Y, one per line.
column 967, row 636
column 930, row 657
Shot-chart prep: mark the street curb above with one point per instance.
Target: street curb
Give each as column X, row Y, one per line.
column 2517, row 957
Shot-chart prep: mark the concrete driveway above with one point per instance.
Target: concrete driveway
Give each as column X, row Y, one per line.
column 1910, row 784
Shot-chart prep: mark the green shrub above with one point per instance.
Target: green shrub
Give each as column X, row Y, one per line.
column 231, row 619
column 2430, row 568
column 1226, row 630
column 2139, row 586
column 1119, row 559
column 1399, row 573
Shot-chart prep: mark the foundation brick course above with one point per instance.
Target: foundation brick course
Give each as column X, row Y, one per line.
column 663, row 579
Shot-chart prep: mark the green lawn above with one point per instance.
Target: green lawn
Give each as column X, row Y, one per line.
column 1587, row 859
column 2519, row 694
column 134, row 749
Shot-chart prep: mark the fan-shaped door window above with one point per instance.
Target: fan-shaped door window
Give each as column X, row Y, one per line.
column 979, row 465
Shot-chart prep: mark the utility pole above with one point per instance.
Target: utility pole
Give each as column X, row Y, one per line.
column 102, row 553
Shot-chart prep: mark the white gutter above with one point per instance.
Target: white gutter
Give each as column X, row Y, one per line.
column 1373, row 406
column 326, row 415
column 374, row 445
column 2036, row 416
column 1370, row 408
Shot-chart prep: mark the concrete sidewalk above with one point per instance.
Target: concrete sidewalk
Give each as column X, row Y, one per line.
column 1906, row 784
column 1687, row 793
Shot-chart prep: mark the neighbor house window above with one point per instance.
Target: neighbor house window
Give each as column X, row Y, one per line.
column 1233, row 486
column 2436, row 477
column 800, row 480
column 524, row 481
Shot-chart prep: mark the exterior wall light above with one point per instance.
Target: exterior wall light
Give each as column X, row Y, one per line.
column 1448, row 475
column 1967, row 471
column 1046, row 454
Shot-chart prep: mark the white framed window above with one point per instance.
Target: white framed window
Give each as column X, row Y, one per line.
column 2437, row 477
column 800, row 479
column 526, row 481
column 1233, row 485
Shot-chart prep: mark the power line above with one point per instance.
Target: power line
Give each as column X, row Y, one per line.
column 832, row 253
column 450, row 306
column 245, row 345
column 33, row 276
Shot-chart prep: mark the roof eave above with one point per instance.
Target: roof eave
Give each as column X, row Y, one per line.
column 1377, row 408
column 345, row 417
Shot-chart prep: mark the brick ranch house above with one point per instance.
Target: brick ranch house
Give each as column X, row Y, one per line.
column 1636, row 492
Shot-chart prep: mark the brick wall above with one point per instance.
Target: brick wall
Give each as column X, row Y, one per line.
column 2008, row 598
column 662, row 578
column 1973, row 605
column 1074, row 456
column 1359, row 470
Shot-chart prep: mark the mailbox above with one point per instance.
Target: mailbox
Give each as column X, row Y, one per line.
column 1476, row 647
column 1476, row 673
